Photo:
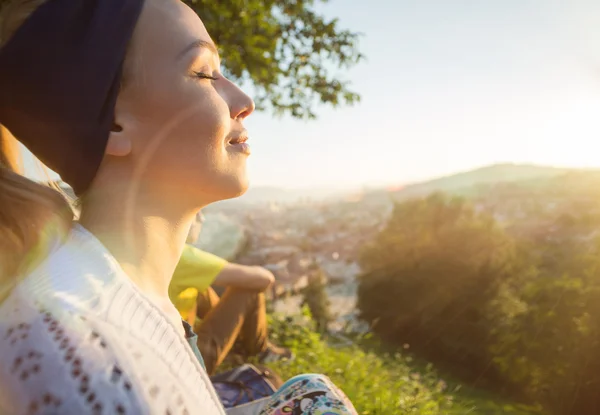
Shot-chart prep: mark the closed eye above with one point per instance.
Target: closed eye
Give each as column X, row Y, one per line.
column 203, row 75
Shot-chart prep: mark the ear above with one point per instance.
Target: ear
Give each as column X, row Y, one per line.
column 119, row 145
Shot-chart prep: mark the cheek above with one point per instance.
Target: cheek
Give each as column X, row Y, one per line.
column 184, row 108
column 185, row 124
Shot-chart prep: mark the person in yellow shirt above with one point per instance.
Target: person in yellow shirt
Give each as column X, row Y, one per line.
column 240, row 314
column 195, row 273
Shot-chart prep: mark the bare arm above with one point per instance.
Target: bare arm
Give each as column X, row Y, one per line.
column 245, row 277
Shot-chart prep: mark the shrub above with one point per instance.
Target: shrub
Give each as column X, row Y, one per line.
column 430, row 277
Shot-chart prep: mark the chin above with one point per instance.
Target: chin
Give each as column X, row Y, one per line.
column 234, row 187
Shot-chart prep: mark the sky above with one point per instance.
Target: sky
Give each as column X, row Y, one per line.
column 448, row 85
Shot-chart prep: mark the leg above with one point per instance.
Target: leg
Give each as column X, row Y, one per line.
column 222, row 324
column 254, row 334
column 254, row 330
column 205, row 302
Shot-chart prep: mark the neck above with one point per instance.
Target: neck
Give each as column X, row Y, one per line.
column 145, row 234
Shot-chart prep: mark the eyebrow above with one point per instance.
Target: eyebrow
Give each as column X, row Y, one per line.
column 199, row 44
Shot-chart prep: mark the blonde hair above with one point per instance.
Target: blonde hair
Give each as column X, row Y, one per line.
column 32, row 215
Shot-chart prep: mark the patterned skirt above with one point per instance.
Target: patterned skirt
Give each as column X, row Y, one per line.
column 309, row 394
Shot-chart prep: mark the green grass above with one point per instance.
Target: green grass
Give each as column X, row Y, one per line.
column 380, row 383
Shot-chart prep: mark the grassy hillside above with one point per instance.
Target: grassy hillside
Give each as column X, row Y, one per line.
column 379, row 382
column 468, row 182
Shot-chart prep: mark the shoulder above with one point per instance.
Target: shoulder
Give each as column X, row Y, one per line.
column 192, row 254
column 79, row 274
column 55, row 361
column 77, row 334
column 198, row 260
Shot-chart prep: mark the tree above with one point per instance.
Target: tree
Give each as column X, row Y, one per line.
column 430, row 276
column 551, row 348
column 285, row 49
column 315, row 297
column 524, row 308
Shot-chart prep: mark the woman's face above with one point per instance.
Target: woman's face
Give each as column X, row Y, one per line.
column 182, row 117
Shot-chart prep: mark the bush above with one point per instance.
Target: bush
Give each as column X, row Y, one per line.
column 315, row 297
column 430, row 277
column 523, row 312
column 552, row 348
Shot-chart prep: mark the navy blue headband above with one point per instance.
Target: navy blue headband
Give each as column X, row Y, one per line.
column 59, row 80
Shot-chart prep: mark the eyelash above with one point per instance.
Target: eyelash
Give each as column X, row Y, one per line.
column 202, row 75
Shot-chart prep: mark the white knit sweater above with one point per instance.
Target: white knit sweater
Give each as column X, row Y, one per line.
column 78, row 337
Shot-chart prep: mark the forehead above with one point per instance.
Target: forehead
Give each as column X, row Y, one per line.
column 164, row 29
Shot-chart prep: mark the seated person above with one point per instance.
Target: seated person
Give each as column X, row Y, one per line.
column 240, row 314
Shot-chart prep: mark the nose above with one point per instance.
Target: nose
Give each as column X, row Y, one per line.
column 240, row 104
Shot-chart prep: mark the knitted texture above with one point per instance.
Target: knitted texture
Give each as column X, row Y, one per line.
column 78, row 337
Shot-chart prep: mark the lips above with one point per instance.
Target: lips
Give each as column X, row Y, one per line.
column 238, row 140
column 238, row 144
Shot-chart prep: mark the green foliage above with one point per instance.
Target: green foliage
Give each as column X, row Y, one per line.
column 378, row 382
column 430, row 275
column 552, row 347
column 516, row 308
column 315, row 298
column 286, row 49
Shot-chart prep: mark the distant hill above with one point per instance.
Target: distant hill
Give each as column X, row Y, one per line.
column 467, row 183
